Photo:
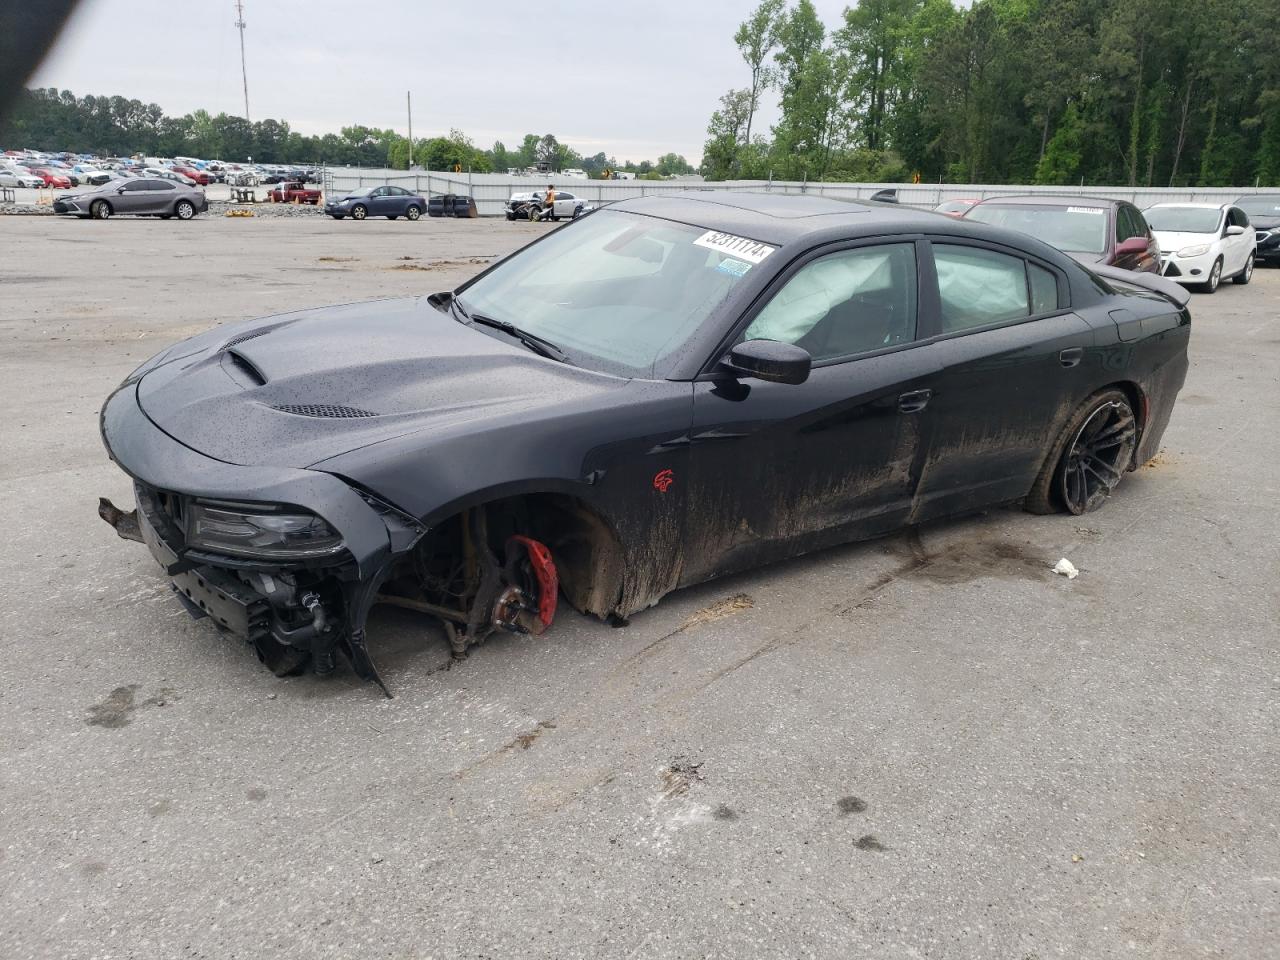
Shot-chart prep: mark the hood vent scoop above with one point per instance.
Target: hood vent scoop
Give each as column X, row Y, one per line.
column 323, row 411
column 245, row 336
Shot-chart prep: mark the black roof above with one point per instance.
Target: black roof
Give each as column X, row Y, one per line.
column 1051, row 200
column 778, row 218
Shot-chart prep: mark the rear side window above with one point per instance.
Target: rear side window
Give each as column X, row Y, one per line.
column 1044, row 289
column 979, row 287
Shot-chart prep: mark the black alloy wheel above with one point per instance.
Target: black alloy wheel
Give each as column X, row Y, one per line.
column 1098, row 455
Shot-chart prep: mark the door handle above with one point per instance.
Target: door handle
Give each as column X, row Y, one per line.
column 1071, row 356
column 915, row 401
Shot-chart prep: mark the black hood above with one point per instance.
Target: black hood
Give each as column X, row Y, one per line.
column 301, row 388
column 1264, row 223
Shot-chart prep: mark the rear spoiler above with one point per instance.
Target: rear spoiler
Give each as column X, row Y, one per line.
column 1176, row 293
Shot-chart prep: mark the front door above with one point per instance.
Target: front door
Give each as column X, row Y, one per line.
column 132, row 197
column 779, row 469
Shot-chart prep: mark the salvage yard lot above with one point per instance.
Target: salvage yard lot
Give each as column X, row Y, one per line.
column 925, row 746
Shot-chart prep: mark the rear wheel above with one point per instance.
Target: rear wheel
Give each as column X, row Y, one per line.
column 185, row 209
column 1089, row 458
column 1215, row 277
column 412, row 212
column 393, row 216
column 100, row 210
column 359, row 211
column 1245, row 275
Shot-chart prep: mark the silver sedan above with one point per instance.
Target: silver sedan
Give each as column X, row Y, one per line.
column 143, row 196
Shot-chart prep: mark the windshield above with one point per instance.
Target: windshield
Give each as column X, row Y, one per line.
column 1077, row 229
column 617, row 292
column 1183, row 219
column 1260, row 206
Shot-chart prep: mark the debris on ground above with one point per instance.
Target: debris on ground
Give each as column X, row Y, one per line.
column 680, row 773
column 1067, row 569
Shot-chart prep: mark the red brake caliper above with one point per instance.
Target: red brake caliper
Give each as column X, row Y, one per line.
column 544, row 571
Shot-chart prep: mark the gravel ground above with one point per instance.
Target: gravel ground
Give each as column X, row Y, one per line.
column 923, row 747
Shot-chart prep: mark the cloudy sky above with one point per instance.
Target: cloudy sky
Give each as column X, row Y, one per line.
column 632, row 80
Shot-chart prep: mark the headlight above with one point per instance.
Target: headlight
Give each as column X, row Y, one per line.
column 1196, row 251
column 260, row 533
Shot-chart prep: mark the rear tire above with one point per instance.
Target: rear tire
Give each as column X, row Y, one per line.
column 1089, row 458
column 412, row 213
column 393, row 216
column 1245, row 275
column 359, row 211
column 100, row 210
column 185, row 209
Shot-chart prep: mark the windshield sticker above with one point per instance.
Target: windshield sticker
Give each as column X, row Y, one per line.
column 740, row 247
column 734, row 268
column 1096, row 210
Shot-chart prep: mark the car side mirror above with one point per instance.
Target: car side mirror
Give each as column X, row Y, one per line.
column 1133, row 245
column 1234, row 231
column 770, row 360
column 119, row 190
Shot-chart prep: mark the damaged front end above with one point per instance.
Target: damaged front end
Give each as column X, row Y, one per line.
column 277, row 576
column 283, row 579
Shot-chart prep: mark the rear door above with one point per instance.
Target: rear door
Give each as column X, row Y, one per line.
column 1015, row 363
column 161, row 196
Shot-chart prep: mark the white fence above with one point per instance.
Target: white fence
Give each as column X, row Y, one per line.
column 491, row 190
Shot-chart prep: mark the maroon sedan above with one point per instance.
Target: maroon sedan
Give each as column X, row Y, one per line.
column 1090, row 229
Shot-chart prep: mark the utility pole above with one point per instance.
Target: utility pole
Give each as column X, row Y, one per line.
column 408, row 99
column 244, row 73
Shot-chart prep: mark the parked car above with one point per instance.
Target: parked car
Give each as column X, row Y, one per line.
column 955, row 208
column 192, row 174
column 1094, row 231
column 1263, row 211
column 1203, row 243
column 52, row 178
column 566, row 206
column 10, row 177
column 386, row 201
column 90, row 174
column 164, row 173
column 144, row 196
column 293, row 191
column 671, row 389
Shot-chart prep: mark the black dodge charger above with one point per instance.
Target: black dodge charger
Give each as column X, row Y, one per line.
column 664, row 391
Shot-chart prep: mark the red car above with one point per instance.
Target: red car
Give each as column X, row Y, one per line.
column 293, row 192
column 51, row 178
column 1092, row 230
column 199, row 176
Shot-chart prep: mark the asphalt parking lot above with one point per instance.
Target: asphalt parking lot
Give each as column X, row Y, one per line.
column 923, row 747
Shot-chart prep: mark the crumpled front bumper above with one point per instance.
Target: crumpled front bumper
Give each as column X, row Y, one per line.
column 223, row 587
